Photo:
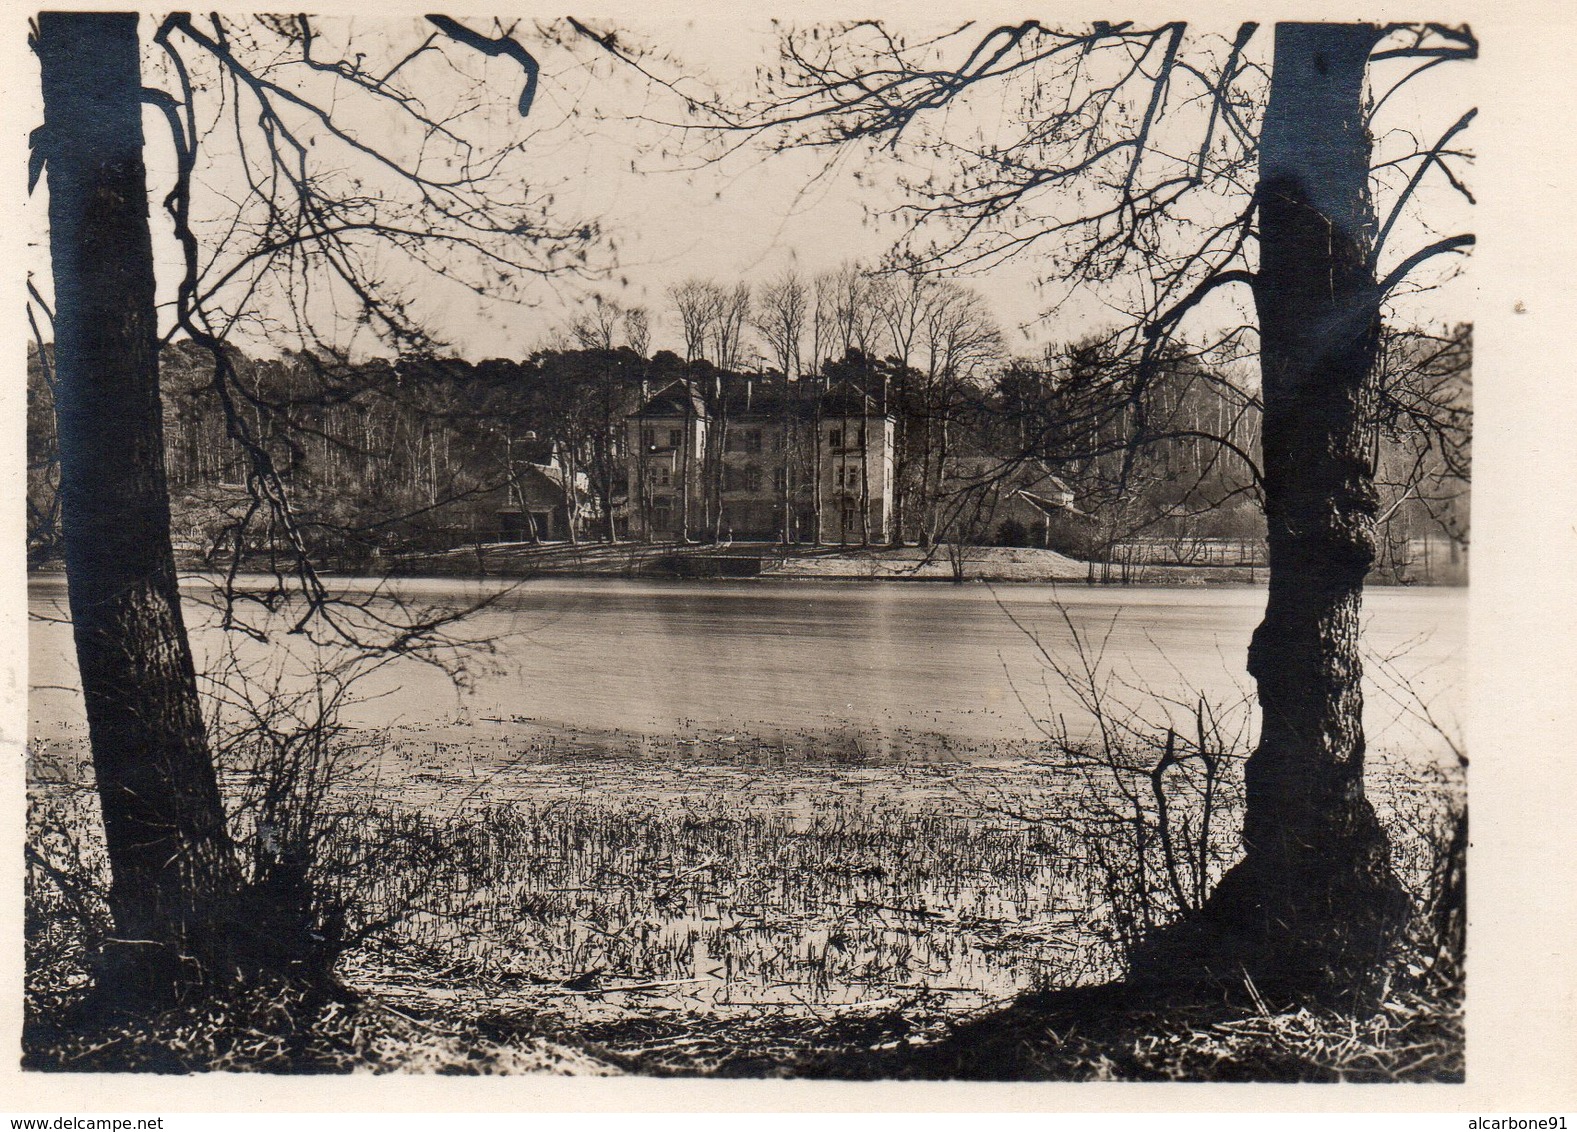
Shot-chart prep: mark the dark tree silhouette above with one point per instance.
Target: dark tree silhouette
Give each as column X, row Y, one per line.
column 175, row 871
column 186, row 913
column 1314, row 889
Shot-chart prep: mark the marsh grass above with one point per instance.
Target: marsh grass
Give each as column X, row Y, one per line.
column 728, row 907
column 754, row 905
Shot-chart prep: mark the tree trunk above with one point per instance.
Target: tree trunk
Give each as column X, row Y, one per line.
column 1313, row 902
column 900, row 469
column 684, row 495
column 606, row 453
column 719, row 469
column 610, row 469
column 816, row 490
column 571, row 496
column 174, row 868
column 786, row 461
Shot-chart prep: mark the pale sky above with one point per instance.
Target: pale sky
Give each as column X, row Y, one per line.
column 668, row 211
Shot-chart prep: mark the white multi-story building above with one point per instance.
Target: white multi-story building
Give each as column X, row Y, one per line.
column 766, row 460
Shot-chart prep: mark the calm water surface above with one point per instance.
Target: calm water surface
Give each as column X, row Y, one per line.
column 874, row 657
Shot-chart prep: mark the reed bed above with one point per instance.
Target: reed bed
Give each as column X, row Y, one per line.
column 737, row 907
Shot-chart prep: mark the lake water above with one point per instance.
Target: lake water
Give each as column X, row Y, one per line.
column 874, row 658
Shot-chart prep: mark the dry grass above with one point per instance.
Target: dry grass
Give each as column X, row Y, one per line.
column 272, row 1029
column 1412, row 1036
column 702, row 907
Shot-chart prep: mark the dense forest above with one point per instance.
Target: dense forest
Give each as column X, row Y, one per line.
column 382, row 457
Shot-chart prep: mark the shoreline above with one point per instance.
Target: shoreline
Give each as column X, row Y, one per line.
column 774, row 562
column 802, row 562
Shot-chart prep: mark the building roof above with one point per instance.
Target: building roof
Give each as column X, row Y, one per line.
column 669, row 401
column 1048, row 506
column 767, row 397
column 848, row 400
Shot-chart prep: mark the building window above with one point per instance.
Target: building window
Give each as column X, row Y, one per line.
column 753, row 475
column 648, row 438
column 662, row 514
column 746, row 440
column 780, row 480
column 835, row 438
column 662, row 475
column 675, row 437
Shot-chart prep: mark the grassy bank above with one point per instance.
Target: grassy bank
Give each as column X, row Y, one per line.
column 526, row 899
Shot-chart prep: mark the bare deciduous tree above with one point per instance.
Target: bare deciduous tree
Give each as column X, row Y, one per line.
column 732, row 308
column 638, row 329
column 694, row 302
column 780, row 320
column 597, row 327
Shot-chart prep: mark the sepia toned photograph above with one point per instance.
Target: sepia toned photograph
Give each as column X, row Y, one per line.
column 920, row 548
